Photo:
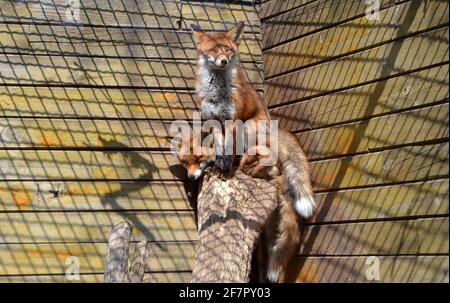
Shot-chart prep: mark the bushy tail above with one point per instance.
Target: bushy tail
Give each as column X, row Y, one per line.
column 286, row 244
column 294, row 166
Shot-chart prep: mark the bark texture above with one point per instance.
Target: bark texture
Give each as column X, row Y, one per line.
column 231, row 215
column 116, row 268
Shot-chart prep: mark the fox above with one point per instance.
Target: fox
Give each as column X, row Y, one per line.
column 291, row 175
column 222, row 85
column 195, row 163
column 285, row 244
column 225, row 93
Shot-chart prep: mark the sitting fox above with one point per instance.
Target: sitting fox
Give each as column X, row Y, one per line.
column 226, row 94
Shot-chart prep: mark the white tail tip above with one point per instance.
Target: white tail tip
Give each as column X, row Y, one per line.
column 305, row 206
column 273, row 275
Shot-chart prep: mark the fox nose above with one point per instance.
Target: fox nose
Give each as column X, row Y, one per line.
column 223, row 62
column 191, row 177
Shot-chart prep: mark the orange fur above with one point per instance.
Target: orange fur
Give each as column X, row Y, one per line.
column 226, row 94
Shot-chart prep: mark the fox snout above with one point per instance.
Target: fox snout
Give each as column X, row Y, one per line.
column 194, row 173
column 220, row 61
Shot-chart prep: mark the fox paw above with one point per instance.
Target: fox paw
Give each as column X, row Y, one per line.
column 224, row 164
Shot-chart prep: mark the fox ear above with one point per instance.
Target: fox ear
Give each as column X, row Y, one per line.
column 198, row 33
column 235, row 33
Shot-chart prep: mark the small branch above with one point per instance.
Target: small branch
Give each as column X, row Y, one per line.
column 116, row 268
column 138, row 264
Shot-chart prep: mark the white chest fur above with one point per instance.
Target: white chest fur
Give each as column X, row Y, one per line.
column 215, row 87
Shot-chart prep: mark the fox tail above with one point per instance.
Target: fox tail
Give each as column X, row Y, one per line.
column 295, row 168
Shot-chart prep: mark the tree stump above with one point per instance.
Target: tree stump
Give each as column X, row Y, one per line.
column 116, row 268
column 231, row 216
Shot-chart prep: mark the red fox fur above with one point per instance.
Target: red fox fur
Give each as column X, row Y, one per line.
column 226, row 94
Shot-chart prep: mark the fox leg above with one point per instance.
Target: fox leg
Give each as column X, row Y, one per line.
column 226, row 155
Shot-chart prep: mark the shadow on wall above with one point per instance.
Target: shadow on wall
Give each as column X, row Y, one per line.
column 369, row 101
column 86, row 106
column 86, row 101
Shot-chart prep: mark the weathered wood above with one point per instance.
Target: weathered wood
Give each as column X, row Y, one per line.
column 137, row 13
column 116, row 265
column 42, row 258
column 271, row 8
column 58, row 133
column 138, row 263
column 419, row 236
column 95, row 226
column 109, row 42
column 87, row 165
column 376, row 63
column 123, row 103
column 385, row 202
column 409, row 127
column 396, row 165
column 404, row 164
column 219, row 16
column 231, row 215
column 393, row 269
column 166, row 277
column 383, row 97
column 394, row 23
column 89, row 195
column 416, row 199
column 70, row 70
column 311, row 18
column 345, row 83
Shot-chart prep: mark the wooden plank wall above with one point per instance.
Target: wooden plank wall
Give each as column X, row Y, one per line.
column 369, row 101
column 84, row 113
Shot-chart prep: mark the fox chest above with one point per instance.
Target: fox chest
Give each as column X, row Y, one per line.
column 221, row 111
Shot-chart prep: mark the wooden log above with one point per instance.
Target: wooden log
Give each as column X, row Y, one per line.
column 137, row 269
column 116, row 268
column 231, row 215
